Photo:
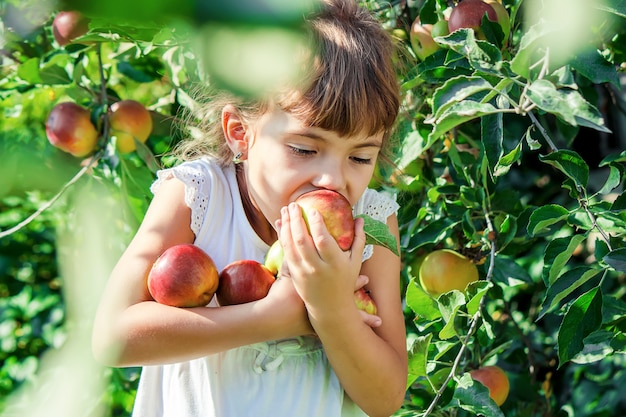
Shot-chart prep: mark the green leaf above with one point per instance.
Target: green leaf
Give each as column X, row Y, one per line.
column 29, row 71
column 614, row 179
column 434, row 231
column 595, row 67
column 616, row 259
column 569, row 163
column 567, row 104
column 557, row 254
column 420, row 302
column 491, row 135
column 530, row 48
column 456, row 115
column 474, row 397
column 583, row 318
column 565, row 285
column 621, row 157
column 508, row 273
column 377, row 233
column 475, row 292
column 545, row 216
column 449, row 304
column 455, row 90
column 418, row 357
column 481, row 55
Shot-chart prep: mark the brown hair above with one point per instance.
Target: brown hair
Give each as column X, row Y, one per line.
column 352, row 87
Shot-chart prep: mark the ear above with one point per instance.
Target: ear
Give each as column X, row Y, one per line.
column 234, row 129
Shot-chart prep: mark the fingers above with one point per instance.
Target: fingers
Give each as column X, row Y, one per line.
column 359, row 237
column 361, row 281
column 370, row 319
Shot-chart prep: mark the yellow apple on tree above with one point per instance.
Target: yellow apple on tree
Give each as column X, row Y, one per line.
column 183, row 276
column 421, row 39
column 129, row 121
column 445, row 270
column 70, row 129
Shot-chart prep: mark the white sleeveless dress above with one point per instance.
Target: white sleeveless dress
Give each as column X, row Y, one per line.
column 284, row 378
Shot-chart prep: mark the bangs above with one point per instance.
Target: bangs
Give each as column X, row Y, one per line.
column 352, row 89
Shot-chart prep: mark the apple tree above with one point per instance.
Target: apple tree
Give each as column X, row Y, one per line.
column 510, row 152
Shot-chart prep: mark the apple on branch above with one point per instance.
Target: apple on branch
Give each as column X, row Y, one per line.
column 445, row 270
column 70, row 129
column 69, row 25
column 183, row 276
column 130, row 121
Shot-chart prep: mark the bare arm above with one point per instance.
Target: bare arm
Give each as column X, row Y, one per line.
column 371, row 363
column 131, row 329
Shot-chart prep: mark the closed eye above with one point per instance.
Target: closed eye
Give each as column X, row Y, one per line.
column 363, row 161
column 300, row 151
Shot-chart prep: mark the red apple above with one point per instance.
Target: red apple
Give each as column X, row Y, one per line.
column 336, row 212
column 70, row 129
column 183, row 276
column 129, row 120
column 69, row 25
column 364, row 302
column 469, row 14
column 243, row 281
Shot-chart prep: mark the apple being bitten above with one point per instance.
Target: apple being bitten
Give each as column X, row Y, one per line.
column 243, row 281
column 183, row 276
column 336, row 212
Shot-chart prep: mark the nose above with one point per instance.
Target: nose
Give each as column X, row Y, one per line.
column 330, row 175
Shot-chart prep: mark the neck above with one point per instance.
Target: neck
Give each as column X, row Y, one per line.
column 255, row 217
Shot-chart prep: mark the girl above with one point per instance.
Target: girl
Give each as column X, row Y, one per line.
column 304, row 349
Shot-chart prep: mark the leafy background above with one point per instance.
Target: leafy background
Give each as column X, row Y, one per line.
column 511, row 153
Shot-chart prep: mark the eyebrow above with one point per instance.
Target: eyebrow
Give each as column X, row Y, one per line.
column 370, row 143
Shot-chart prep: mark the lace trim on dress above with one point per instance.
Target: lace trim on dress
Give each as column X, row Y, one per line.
column 379, row 208
column 195, row 198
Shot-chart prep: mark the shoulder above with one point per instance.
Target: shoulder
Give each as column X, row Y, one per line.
column 377, row 204
column 203, row 181
column 195, row 174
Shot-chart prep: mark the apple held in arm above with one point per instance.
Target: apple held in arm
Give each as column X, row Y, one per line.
column 183, row 276
column 243, row 281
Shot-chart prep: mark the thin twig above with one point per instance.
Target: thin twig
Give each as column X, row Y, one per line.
column 50, row 202
column 543, row 132
column 473, row 326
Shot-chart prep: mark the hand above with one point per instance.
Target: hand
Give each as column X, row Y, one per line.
column 323, row 274
column 284, row 299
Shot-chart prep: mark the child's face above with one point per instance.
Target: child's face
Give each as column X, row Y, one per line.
column 287, row 159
